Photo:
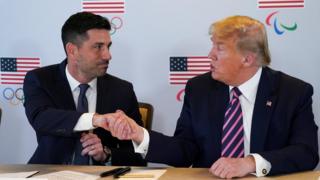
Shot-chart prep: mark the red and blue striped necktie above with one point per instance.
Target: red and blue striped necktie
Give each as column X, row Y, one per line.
column 232, row 143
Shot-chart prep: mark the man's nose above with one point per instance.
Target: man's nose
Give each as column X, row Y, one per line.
column 106, row 55
column 212, row 54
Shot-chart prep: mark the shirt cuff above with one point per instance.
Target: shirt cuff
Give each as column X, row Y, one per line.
column 84, row 123
column 263, row 166
column 142, row 148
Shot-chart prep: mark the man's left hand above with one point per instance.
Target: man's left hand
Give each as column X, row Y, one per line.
column 92, row 146
column 233, row 167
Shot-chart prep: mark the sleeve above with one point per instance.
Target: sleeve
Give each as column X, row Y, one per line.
column 85, row 122
column 262, row 166
column 181, row 149
column 142, row 148
column 44, row 112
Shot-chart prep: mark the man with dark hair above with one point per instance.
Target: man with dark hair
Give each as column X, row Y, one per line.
column 240, row 118
column 65, row 102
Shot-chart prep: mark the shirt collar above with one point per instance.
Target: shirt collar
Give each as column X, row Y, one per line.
column 250, row 87
column 74, row 83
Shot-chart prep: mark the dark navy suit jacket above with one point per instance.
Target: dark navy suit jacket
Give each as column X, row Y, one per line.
column 51, row 111
column 283, row 131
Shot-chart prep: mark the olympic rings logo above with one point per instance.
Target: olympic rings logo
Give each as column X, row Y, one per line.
column 116, row 24
column 14, row 97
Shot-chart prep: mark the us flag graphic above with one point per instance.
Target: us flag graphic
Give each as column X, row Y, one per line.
column 13, row 70
column 280, row 4
column 103, row 6
column 184, row 68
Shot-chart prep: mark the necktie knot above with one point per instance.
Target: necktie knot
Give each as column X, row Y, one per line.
column 236, row 92
column 82, row 99
column 83, row 88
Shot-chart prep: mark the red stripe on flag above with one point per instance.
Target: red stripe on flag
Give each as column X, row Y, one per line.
column 198, row 66
column 13, row 74
column 179, row 78
column 191, row 74
column 196, row 70
column 290, row 6
column 103, row 3
column 23, row 58
column 101, row 7
column 178, row 83
column 12, row 78
column 11, row 82
column 274, row 2
column 193, row 61
column 28, row 62
column 197, row 57
column 97, row 12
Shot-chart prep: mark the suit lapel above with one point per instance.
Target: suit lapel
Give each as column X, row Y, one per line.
column 62, row 88
column 264, row 104
column 102, row 95
column 218, row 102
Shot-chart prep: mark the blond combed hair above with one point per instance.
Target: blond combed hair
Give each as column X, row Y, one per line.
column 250, row 35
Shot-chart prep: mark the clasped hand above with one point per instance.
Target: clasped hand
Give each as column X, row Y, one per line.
column 120, row 126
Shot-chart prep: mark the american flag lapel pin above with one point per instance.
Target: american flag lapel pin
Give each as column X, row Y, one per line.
column 269, row 103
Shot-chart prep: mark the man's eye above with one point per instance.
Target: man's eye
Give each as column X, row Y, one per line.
column 220, row 47
column 98, row 47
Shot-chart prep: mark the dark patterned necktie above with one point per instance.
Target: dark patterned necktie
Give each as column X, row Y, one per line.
column 81, row 107
column 232, row 131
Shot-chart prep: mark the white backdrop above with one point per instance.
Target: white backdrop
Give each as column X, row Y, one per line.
column 152, row 31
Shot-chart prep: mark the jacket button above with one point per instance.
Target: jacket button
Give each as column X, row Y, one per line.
column 264, row 171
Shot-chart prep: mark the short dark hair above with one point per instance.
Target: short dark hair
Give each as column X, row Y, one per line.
column 75, row 28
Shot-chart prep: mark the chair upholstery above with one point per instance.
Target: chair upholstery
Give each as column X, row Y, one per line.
column 146, row 111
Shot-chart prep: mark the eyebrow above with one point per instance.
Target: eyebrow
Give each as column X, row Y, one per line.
column 219, row 43
column 101, row 43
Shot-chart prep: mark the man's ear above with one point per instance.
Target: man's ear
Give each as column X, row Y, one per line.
column 71, row 49
column 249, row 59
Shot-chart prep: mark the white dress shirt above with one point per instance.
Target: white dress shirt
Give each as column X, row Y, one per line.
column 247, row 99
column 85, row 121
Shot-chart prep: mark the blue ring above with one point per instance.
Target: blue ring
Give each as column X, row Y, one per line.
column 16, row 92
column 4, row 94
column 113, row 29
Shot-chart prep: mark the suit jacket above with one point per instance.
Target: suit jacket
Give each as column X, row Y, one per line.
column 283, row 131
column 51, row 111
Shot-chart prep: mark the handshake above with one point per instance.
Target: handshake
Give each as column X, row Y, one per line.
column 120, row 126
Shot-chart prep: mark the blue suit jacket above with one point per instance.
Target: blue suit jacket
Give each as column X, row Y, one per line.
column 284, row 133
column 51, row 111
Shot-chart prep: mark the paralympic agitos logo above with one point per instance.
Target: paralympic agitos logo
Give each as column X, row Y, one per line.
column 273, row 20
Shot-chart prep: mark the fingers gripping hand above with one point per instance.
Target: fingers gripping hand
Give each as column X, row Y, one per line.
column 92, row 146
column 103, row 120
column 131, row 130
column 120, row 128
